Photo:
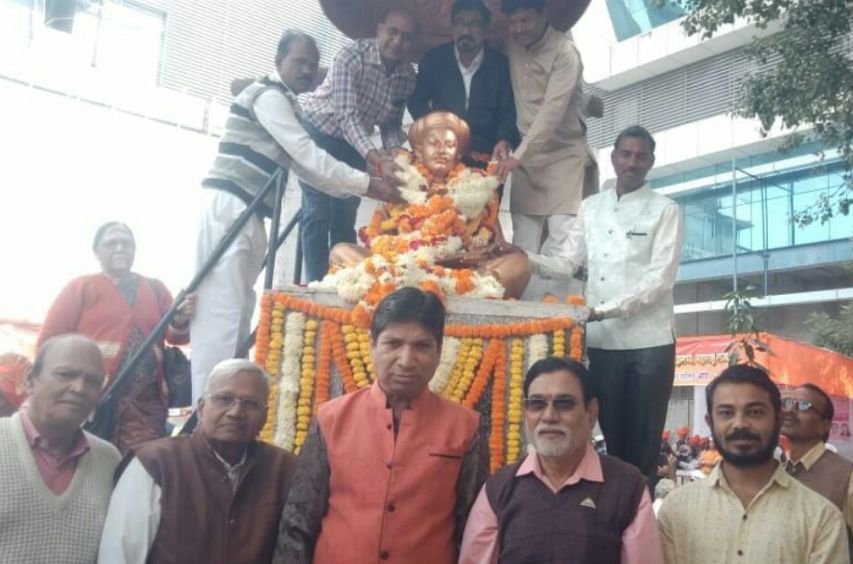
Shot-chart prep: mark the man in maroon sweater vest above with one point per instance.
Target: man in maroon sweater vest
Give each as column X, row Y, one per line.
column 213, row 497
column 807, row 413
column 564, row 502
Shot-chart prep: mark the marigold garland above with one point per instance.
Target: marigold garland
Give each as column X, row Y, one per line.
column 306, row 385
column 475, row 353
column 458, row 367
column 516, row 376
column 359, row 371
column 576, row 343
column 364, row 350
column 496, row 435
column 478, row 386
column 339, row 355
column 558, row 342
column 324, row 364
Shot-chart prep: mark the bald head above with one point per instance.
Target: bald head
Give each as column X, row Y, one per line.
column 65, row 383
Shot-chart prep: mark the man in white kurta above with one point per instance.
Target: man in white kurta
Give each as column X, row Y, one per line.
column 264, row 132
column 630, row 239
column 553, row 162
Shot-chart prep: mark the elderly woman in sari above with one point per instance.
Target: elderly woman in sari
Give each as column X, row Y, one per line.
column 118, row 309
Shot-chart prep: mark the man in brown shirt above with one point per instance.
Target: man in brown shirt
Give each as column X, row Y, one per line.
column 213, row 497
column 807, row 418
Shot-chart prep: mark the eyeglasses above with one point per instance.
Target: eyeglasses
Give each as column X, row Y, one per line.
column 801, row 406
column 227, row 401
column 563, row 404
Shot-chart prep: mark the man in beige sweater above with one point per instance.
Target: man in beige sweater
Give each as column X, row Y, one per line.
column 55, row 479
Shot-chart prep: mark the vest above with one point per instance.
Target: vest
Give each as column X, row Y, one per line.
column 35, row 524
column 829, row 476
column 248, row 155
column 537, row 526
column 392, row 501
column 202, row 518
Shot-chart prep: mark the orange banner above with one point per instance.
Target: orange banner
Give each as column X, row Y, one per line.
column 699, row 359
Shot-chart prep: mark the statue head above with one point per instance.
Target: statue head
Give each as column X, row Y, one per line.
column 439, row 139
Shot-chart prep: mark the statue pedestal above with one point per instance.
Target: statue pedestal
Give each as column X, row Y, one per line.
column 314, row 350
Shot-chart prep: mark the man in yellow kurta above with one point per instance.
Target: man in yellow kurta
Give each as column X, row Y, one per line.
column 553, row 162
column 388, row 473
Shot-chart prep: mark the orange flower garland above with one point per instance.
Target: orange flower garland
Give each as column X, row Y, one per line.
column 576, row 343
column 324, row 363
column 496, row 435
column 364, row 350
column 490, row 358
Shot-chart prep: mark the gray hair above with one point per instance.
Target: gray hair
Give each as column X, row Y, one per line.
column 663, row 488
column 231, row 367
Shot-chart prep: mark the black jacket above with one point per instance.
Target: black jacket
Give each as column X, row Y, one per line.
column 491, row 107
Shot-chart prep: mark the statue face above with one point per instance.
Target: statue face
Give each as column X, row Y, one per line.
column 439, row 151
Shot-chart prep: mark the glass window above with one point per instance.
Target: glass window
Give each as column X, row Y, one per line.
column 765, row 206
column 633, row 17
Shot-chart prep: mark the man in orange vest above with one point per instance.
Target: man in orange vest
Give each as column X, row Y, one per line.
column 388, row 473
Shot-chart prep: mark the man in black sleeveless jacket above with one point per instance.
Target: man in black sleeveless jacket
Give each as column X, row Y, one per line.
column 564, row 502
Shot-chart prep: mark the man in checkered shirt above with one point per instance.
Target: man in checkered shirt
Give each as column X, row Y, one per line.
column 367, row 85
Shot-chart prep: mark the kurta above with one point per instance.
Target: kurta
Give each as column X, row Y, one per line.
column 361, row 495
column 546, row 82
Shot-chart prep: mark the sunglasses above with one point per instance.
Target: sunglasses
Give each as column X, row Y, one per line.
column 537, row 404
column 800, row 405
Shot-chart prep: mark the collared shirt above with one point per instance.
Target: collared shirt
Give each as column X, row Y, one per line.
column 57, row 473
column 808, row 460
column 640, row 541
column 282, row 119
column 547, row 83
column 359, row 94
column 469, row 71
column 632, row 247
column 704, row 522
column 135, row 508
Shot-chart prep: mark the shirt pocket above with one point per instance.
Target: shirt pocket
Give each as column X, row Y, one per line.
column 444, row 462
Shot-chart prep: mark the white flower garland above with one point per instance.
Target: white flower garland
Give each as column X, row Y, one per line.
column 537, row 349
column 288, row 392
column 449, row 352
column 472, row 192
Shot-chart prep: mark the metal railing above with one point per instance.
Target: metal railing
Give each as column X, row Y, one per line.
column 102, row 422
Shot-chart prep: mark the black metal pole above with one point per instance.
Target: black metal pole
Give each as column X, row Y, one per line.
column 274, row 225
column 297, row 265
column 99, row 425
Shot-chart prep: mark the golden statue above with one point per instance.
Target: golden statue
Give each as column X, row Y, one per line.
column 450, row 210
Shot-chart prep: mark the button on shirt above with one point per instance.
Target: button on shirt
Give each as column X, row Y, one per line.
column 786, row 523
column 358, row 94
column 57, row 473
column 469, row 71
column 632, row 246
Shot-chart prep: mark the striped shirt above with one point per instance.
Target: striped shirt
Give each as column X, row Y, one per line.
column 359, row 94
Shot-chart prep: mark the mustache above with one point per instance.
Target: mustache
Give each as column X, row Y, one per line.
column 543, row 427
column 742, row 435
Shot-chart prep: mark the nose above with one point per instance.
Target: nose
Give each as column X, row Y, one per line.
column 407, row 357
column 550, row 413
column 236, row 411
